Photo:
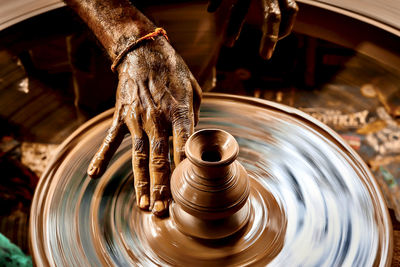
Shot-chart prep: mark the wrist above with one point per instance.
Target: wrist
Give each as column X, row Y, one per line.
column 126, row 35
column 114, row 22
column 158, row 35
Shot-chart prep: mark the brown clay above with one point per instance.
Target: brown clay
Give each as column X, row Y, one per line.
column 295, row 218
column 157, row 95
column 210, row 187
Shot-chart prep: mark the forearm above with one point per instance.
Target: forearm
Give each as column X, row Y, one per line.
column 114, row 22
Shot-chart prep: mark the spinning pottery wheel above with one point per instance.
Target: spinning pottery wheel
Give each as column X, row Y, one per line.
column 307, row 199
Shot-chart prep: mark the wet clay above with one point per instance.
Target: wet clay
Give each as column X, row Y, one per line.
column 157, row 95
column 210, row 188
column 312, row 201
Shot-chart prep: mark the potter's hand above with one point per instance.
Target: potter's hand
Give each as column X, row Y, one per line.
column 278, row 19
column 156, row 96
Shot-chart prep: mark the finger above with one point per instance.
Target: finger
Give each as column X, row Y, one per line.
column 289, row 10
column 236, row 20
column 140, row 159
column 270, row 28
column 111, row 142
column 159, row 167
column 213, row 5
column 159, row 174
column 182, row 129
column 197, row 95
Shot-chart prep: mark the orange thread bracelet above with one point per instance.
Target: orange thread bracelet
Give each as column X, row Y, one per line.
column 152, row 35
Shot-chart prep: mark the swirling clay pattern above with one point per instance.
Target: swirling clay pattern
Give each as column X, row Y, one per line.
column 313, row 201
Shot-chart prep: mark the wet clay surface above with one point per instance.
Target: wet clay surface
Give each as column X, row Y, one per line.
column 311, row 195
column 210, row 188
column 42, row 100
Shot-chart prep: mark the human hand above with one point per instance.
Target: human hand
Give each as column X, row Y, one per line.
column 157, row 95
column 278, row 19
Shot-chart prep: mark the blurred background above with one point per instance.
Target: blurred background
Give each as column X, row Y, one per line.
column 341, row 65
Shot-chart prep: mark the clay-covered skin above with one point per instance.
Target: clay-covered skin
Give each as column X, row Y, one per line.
column 277, row 19
column 157, row 96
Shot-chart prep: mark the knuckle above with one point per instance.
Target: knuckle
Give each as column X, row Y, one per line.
column 140, row 184
column 141, row 187
column 181, row 109
column 159, row 161
column 274, row 16
column 160, row 190
column 180, row 113
column 112, row 133
column 160, row 164
column 108, row 140
column 271, row 38
column 138, row 145
column 159, row 146
column 140, row 157
column 140, row 160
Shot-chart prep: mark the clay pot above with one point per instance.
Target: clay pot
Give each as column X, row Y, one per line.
column 310, row 198
column 210, row 188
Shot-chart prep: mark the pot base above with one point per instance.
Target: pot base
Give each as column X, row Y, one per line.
column 207, row 229
column 260, row 240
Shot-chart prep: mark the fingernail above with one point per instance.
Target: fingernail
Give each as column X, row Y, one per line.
column 93, row 171
column 159, row 208
column 267, row 51
column 144, row 202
